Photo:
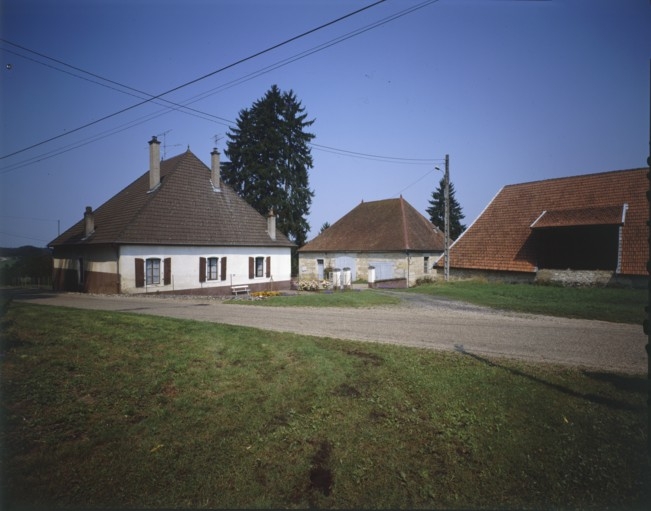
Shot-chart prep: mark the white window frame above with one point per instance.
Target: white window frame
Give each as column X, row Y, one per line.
column 153, row 267
column 212, row 273
column 259, row 267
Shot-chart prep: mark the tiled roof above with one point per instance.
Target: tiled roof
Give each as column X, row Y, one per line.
column 183, row 210
column 379, row 226
column 500, row 238
column 607, row 215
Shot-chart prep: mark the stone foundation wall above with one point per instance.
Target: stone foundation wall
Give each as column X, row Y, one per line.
column 589, row 278
column 389, row 284
column 574, row 278
column 509, row 277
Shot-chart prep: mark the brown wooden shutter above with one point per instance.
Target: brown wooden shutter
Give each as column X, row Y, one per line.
column 202, row 269
column 167, row 271
column 140, row 273
column 251, row 267
column 268, row 266
column 223, row 269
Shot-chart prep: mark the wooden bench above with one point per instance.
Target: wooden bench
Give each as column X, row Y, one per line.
column 240, row 289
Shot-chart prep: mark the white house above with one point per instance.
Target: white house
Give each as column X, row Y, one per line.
column 175, row 229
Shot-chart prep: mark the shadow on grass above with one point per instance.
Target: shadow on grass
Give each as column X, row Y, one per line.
column 626, row 383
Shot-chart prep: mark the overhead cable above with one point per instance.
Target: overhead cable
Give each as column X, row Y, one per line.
column 186, row 84
column 183, row 105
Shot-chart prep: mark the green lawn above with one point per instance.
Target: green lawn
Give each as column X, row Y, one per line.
column 119, row 410
column 608, row 304
column 355, row 299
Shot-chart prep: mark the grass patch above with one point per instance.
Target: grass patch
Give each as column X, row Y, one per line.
column 607, row 304
column 360, row 299
column 120, row 410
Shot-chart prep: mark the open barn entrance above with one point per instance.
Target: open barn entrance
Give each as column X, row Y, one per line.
column 579, row 239
column 578, row 248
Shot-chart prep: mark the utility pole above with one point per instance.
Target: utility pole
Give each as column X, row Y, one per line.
column 447, row 218
column 647, row 321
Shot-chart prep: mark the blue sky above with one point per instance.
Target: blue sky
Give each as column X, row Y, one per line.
column 512, row 90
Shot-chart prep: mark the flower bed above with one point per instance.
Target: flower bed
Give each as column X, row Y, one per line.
column 314, row 285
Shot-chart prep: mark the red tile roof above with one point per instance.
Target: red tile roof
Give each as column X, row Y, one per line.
column 379, row 226
column 607, row 215
column 500, row 238
column 183, row 210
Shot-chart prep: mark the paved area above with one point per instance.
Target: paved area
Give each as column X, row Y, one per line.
column 418, row 321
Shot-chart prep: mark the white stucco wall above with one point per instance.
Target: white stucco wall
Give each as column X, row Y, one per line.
column 95, row 259
column 185, row 266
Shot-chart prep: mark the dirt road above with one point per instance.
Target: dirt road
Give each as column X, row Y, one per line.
column 422, row 322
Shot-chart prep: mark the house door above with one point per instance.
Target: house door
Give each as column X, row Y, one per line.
column 319, row 268
column 384, row 270
column 347, row 262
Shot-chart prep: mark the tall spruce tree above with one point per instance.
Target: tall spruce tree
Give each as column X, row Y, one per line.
column 269, row 160
column 436, row 211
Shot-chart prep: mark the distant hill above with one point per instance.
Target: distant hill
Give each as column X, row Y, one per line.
column 25, row 265
column 25, row 251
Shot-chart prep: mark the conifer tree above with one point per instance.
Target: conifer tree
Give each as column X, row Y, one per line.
column 269, row 160
column 436, row 211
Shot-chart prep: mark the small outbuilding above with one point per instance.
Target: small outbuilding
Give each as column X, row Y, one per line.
column 588, row 229
column 389, row 236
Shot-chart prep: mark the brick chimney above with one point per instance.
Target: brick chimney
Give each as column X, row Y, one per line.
column 215, row 173
column 89, row 222
column 154, row 163
column 271, row 224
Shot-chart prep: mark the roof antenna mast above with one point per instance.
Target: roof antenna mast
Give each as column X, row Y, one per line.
column 164, row 135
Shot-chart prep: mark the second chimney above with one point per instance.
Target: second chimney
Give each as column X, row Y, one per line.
column 271, row 224
column 215, row 172
column 89, row 222
column 154, row 163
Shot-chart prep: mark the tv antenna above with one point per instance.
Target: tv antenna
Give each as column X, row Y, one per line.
column 165, row 146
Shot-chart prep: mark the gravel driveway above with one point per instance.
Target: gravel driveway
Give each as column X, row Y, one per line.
column 419, row 321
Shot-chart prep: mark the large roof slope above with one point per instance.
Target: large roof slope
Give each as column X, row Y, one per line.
column 500, row 238
column 183, row 210
column 379, row 226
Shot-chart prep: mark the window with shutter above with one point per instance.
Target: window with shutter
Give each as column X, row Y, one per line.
column 167, row 271
column 152, row 271
column 202, row 269
column 140, row 273
column 223, row 275
column 212, row 270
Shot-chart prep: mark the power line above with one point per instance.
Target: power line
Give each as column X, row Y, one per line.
column 139, row 95
column 414, row 182
column 221, row 120
column 28, row 218
column 186, row 84
column 23, row 237
column 387, row 159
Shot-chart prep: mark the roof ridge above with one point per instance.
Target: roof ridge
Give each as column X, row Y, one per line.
column 153, row 193
column 405, row 231
column 591, row 174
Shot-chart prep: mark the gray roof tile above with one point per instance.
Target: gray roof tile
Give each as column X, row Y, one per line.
column 183, row 210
